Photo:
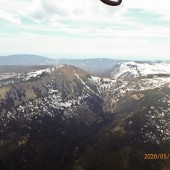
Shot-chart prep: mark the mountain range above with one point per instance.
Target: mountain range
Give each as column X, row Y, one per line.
column 66, row 118
column 97, row 65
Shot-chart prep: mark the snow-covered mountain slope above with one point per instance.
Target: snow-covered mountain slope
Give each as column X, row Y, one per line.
column 67, row 88
column 129, row 70
column 59, row 87
column 61, row 109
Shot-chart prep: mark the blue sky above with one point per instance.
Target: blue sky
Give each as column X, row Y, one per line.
column 86, row 29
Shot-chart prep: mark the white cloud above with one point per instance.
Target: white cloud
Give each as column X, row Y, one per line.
column 95, row 28
column 79, row 9
column 65, row 9
column 93, row 46
column 9, row 18
column 155, row 6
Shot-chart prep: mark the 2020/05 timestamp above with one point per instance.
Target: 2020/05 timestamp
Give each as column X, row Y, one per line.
column 156, row 156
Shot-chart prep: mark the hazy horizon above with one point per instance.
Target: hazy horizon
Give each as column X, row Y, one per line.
column 95, row 57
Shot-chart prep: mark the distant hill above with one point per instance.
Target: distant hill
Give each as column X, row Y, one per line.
column 97, row 65
column 26, row 59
